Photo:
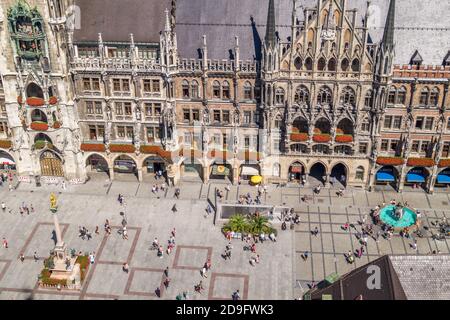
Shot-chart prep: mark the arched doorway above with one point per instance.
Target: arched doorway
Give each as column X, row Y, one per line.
column 443, row 178
column 221, row 171
column 97, row 165
column 417, row 177
column 339, row 175
column 51, row 164
column 317, row 173
column 7, row 162
column 296, row 172
column 387, row 175
column 125, row 167
column 154, row 167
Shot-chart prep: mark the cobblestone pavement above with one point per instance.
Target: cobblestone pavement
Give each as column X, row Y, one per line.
column 282, row 273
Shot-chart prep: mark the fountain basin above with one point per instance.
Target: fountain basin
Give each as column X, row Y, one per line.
column 408, row 220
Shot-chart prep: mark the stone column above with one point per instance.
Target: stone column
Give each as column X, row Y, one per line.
column 59, row 241
column 401, row 182
column 140, row 175
column 205, row 174
column 111, row 174
column 327, row 181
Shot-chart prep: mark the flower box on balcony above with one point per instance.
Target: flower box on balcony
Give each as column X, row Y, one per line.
column 124, row 148
column 98, row 147
column 299, row 137
column 344, row 138
column 35, row 102
column 443, row 163
column 56, row 125
column 390, row 161
column 321, row 138
column 39, row 126
column 317, row 131
column 420, row 162
column 5, row 144
column 53, row 100
column 156, row 150
column 339, row 131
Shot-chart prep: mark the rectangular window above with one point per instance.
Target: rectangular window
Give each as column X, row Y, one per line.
column 92, row 133
column 147, row 86
column 446, row 150
column 96, row 84
column 384, row 145
column 363, row 148
column 429, row 123
column 87, row 84
column 246, row 142
column 150, row 134
column 127, row 107
column 424, row 146
column 415, row 146
column 186, row 115
column 225, row 92
column 195, row 115
column 216, row 139
column 224, row 141
column 216, row 115
column 226, row 116
column 98, row 107
column 155, row 86
column 397, row 122
column 89, row 107
column 419, row 122
column 148, row 109
column 247, row 117
column 391, row 97
column 116, row 85
column 424, row 98
column 394, row 144
column 125, row 85
column 387, row 122
column 101, row 131
column 121, row 132
column 119, row 108
column 130, row 132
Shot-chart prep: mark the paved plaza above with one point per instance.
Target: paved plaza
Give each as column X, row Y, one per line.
column 281, row 274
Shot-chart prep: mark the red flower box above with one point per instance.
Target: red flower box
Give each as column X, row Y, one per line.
column 98, row 147
column 56, row 125
column 420, row 162
column 317, row 131
column 339, row 131
column 321, row 138
column 35, row 102
column 53, row 100
column 390, row 161
column 39, row 126
column 5, row 144
column 299, row 137
column 344, row 138
column 124, row 148
column 444, row 163
column 155, row 150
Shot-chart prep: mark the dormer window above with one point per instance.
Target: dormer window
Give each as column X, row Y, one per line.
column 416, row 59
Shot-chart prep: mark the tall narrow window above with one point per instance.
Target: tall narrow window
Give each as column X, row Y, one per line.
column 424, row 95
column 225, row 90
column 185, row 89
column 216, row 90
column 279, row 96
column 194, row 89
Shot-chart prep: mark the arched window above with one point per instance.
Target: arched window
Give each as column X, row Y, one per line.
column 35, row 91
column 194, row 89
column 434, row 97
column 348, row 96
column 332, row 65
column 344, row 65
column 225, row 90
column 278, row 122
column 248, row 91
column 321, row 64
column 216, row 89
column 359, row 175
column 301, row 95
column 185, row 88
column 308, row 64
column 368, row 100
column 355, row 65
column 391, row 96
column 401, row 96
column 324, row 96
column 298, row 63
column 279, row 96
column 424, row 96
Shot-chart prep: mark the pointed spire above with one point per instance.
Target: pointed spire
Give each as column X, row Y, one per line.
column 167, row 23
column 270, row 28
column 388, row 36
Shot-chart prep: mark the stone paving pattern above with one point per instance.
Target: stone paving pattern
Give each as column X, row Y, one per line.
column 281, row 274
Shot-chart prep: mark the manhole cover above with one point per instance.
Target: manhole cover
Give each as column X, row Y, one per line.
column 445, row 203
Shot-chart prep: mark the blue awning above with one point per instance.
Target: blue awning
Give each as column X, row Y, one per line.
column 443, row 178
column 415, row 178
column 385, row 176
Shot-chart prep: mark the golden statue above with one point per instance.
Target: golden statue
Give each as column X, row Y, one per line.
column 52, row 201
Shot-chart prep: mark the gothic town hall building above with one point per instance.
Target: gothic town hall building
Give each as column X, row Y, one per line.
column 309, row 91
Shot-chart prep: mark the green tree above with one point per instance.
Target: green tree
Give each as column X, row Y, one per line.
column 236, row 223
column 260, row 225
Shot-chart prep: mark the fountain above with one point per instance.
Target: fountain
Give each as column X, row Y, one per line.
column 398, row 216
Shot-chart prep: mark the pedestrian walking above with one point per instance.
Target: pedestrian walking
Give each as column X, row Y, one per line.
column 31, row 208
column 166, row 283
column 166, row 272
column 203, row 272
column 125, row 267
column 3, row 206
column 92, row 257
column 173, row 232
column 5, row 243
column 35, row 256
column 236, row 296
column 199, row 287
column 174, row 208
column 305, row 256
column 96, row 230
column 22, row 257
column 63, row 184
column 124, row 233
